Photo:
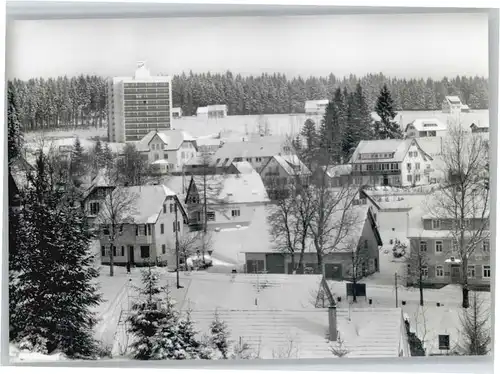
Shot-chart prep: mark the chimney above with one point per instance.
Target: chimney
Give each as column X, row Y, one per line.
column 332, row 323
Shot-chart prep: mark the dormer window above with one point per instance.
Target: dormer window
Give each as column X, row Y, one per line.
column 436, row 224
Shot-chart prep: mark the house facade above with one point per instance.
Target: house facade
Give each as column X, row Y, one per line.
column 442, row 261
column 333, row 176
column 451, row 104
column 391, row 162
column 177, row 112
column 168, row 150
column 423, row 128
column 149, row 231
column 212, row 111
column 230, row 199
column 337, row 265
column 479, row 128
column 283, row 171
column 315, row 107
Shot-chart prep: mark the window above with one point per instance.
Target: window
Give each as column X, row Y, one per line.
column 436, row 224
column 408, row 178
column 163, row 249
column 486, row 245
column 425, row 271
column 439, row 246
column 103, row 250
column 408, row 166
column 471, row 271
column 235, row 213
column 171, row 208
column 423, row 246
column 94, row 208
column 439, row 271
column 157, row 156
column 105, row 230
column 162, row 228
column 144, row 251
column 178, row 226
column 258, row 159
column 114, row 251
column 486, row 271
column 211, row 216
column 148, row 227
column 164, row 208
column 417, row 177
column 417, row 166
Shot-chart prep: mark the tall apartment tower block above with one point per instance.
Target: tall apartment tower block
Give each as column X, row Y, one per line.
column 138, row 105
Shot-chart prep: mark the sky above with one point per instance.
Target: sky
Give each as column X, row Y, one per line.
column 407, row 46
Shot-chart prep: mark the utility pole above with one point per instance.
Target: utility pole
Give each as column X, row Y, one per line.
column 176, row 245
column 396, row 286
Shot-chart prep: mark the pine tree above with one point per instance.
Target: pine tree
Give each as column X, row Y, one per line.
column 52, row 272
column 475, row 329
column 220, row 336
column 132, row 168
column 386, row 128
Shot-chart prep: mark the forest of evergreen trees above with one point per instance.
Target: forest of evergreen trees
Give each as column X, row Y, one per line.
column 81, row 101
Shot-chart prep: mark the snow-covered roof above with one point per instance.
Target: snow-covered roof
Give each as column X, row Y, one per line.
column 337, row 170
column 258, row 148
column 480, row 126
column 313, row 104
column 244, row 167
column 147, row 202
column 233, row 188
column 161, row 162
column 217, row 107
column 386, row 146
column 368, row 333
column 172, row 138
column 292, row 165
column 202, row 110
column 177, row 109
column 427, row 124
column 453, row 99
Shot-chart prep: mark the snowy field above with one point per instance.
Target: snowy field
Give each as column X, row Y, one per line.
column 279, row 124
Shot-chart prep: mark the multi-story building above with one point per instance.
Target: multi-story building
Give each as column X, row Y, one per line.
column 422, row 128
column 138, row 105
column 148, row 230
column 169, row 150
column 282, row 171
column 230, row 199
column 441, row 262
column 391, row 162
column 453, row 104
column 315, row 107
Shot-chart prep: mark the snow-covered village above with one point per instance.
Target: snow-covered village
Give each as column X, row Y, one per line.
column 161, row 213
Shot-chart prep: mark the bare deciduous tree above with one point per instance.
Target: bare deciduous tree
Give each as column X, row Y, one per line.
column 288, row 351
column 117, row 209
column 463, row 201
column 339, row 349
column 417, row 265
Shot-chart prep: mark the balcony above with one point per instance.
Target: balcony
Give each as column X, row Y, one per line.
column 358, row 173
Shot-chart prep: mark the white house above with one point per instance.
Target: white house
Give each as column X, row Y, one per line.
column 230, row 199
column 393, row 162
column 425, row 127
column 168, row 150
column 453, row 104
column 315, row 107
column 177, row 112
column 148, row 232
column 282, row 171
column 212, row 111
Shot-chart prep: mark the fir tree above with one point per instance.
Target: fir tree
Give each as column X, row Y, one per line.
column 386, row 128
column 220, row 336
column 77, row 168
column 475, row 329
column 311, row 142
column 52, row 272
column 159, row 331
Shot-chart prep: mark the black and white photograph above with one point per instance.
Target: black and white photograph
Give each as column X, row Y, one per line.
column 249, row 187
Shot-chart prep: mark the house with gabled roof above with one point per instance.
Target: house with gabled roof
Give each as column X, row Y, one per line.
column 257, row 152
column 453, row 104
column 230, row 199
column 391, row 162
column 168, row 150
column 333, row 176
column 263, row 255
column 282, row 171
column 479, row 128
column 426, row 127
column 147, row 231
